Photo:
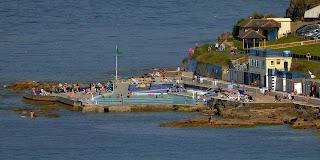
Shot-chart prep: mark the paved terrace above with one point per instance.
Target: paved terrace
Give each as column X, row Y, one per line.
column 256, row 92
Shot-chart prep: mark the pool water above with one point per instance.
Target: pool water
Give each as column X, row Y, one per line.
column 145, row 99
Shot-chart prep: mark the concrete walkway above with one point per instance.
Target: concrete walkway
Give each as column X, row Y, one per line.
column 121, row 89
column 255, row 92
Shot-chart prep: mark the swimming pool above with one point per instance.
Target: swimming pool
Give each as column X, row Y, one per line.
column 144, row 99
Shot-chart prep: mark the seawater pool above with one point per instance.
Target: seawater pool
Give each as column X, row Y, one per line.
column 143, row 99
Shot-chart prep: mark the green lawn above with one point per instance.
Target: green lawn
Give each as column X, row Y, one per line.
column 304, row 66
column 215, row 57
column 222, row 58
column 291, row 38
column 235, row 42
column 313, row 49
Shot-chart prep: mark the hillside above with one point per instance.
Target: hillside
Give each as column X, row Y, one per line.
column 223, row 58
column 296, row 9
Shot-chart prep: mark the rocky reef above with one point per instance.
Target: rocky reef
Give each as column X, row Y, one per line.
column 27, row 85
column 231, row 116
column 297, row 8
column 45, row 111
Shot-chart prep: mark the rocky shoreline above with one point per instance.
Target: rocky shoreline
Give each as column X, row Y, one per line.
column 219, row 114
column 232, row 117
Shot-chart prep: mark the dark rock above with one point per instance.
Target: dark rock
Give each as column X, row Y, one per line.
column 302, row 124
column 292, row 120
column 297, row 8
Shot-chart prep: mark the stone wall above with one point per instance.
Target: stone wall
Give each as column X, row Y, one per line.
column 76, row 104
column 296, row 25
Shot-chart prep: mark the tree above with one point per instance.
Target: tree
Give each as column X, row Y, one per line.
column 256, row 15
column 235, row 28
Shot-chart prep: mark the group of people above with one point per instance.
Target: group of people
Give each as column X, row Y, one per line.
column 202, row 97
column 285, row 95
column 196, row 78
column 94, row 88
column 176, row 88
column 218, row 47
column 42, row 91
column 233, row 50
column 98, row 88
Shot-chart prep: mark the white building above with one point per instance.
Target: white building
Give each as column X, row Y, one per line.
column 285, row 26
column 312, row 13
column 262, row 62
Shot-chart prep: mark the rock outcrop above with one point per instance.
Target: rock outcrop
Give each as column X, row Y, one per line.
column 27, row 85
column 252, row 117
column 297, row 8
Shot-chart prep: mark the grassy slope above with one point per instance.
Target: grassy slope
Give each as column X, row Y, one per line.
column 291, row 38
column 302, row 65
column 313, row 49
column 215, row 57
column 223, row 58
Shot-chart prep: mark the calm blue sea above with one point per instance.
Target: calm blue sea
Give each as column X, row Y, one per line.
column 74, row 41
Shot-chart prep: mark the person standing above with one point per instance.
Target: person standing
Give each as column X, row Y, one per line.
column 231, row 50
column 33, row 90
column 292, row 95
column 72, row 93
column 217, row 46
column 31, row 114
column 308, row 56
column 197, row 46
column 209, row 48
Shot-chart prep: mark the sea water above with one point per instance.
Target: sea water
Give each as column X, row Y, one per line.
column 74, row 41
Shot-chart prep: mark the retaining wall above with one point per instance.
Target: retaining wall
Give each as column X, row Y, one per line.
column 76, row 104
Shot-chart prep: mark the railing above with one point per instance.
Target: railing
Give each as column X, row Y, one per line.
column 303, row 56
column 287, row 45
column 147, row 101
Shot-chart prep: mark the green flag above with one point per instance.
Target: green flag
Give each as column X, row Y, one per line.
column 118, row 50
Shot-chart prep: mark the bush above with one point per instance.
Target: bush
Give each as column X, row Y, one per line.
column 296, row 66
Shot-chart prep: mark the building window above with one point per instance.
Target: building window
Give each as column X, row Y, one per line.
column 263, row 64
column 272, row 63
column 278, row 61
column 251, row 62
column 257, row 63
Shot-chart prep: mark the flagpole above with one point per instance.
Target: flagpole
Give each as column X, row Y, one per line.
column 116, row 64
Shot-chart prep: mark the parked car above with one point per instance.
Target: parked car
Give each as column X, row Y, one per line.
column 310, row 33
column 315, row 35
column 301, row 28
column 304, row 30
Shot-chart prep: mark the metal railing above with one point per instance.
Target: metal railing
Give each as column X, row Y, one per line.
column 147, row 101
column 287, row 45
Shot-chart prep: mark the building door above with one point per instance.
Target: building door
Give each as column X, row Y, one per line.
column 245, row 77
column 272, row 34
column 285, row 66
